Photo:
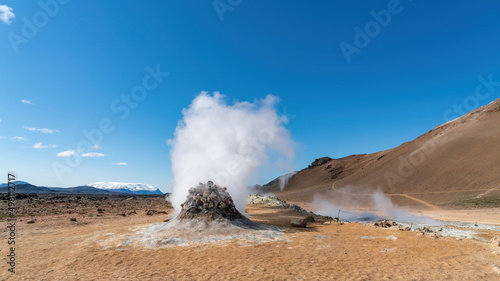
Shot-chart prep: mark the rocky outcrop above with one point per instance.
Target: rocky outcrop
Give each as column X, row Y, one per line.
column 320, row 161
column 209, row 201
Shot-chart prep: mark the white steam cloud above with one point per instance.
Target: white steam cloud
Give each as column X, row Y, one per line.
column 357, row 203
column 227, row 143
column 284, row 179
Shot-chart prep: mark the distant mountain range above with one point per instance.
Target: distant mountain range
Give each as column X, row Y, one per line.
column 92, row 188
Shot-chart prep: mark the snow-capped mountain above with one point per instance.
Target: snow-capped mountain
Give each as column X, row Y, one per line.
column 137, row 188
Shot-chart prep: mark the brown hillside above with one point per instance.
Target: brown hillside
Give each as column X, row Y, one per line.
column 454, row 161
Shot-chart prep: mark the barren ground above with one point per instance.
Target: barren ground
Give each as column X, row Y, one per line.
column 55, row 248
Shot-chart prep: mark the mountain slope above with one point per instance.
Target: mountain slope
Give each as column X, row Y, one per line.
column 22, row 187
column 454, row 161
column 28, row 188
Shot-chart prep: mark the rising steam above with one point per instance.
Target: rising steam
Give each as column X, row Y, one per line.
column 284, row 179
column 226, row 143
column 359, row 203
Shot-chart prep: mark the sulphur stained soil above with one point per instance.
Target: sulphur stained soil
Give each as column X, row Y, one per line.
column 54, row 248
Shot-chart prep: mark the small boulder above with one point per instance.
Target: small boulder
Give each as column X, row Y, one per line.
column 298, row 223
column 496, row 268
column 495, row 245
column 30, row 221
column 72, row 219
column 434, row 235
column 495, row 241
column 309, row 219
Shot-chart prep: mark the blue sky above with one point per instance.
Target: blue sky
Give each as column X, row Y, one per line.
column 71, row 61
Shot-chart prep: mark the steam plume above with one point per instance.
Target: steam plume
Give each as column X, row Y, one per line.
column 284, row 179
column 352, row 199
column 226, row 143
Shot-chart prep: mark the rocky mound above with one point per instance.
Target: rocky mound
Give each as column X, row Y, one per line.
column 211, row 202
column 273, row 201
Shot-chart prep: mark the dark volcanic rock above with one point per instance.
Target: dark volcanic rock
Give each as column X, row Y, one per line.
column 320, row 161
column 211, row 202
column 299, row 222
column 309, row 219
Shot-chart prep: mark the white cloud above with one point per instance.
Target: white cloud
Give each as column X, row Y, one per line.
column 27, row 102
column 93, row 154
column 40, row 145
column 44, row 130
column 0, row 120
column 18, row 138
column 6, row 14
column 120, row 164
column 96, row 147
column 66, row 153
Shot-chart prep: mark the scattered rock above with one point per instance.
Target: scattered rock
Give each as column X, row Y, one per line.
column 298, row 222
column 30, row 221
column 327, row 222
column 72, row 219
column 434, row 235
column 309, row 219
column 320, row 161
column 495, row 241
column 273, row 201
column 495, row 245
column 391, row 237
column 166, row 220
column 100, row 211
column 153, row 212
column 496, row 268
column 385, row 224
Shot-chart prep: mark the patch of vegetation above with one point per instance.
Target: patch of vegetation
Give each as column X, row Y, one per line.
column 476, row 203
column 91, row 215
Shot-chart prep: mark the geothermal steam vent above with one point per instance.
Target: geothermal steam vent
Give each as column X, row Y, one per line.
column 210, row 202
column 207, row 216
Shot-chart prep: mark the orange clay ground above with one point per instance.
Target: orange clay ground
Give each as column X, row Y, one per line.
column 54, row 248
